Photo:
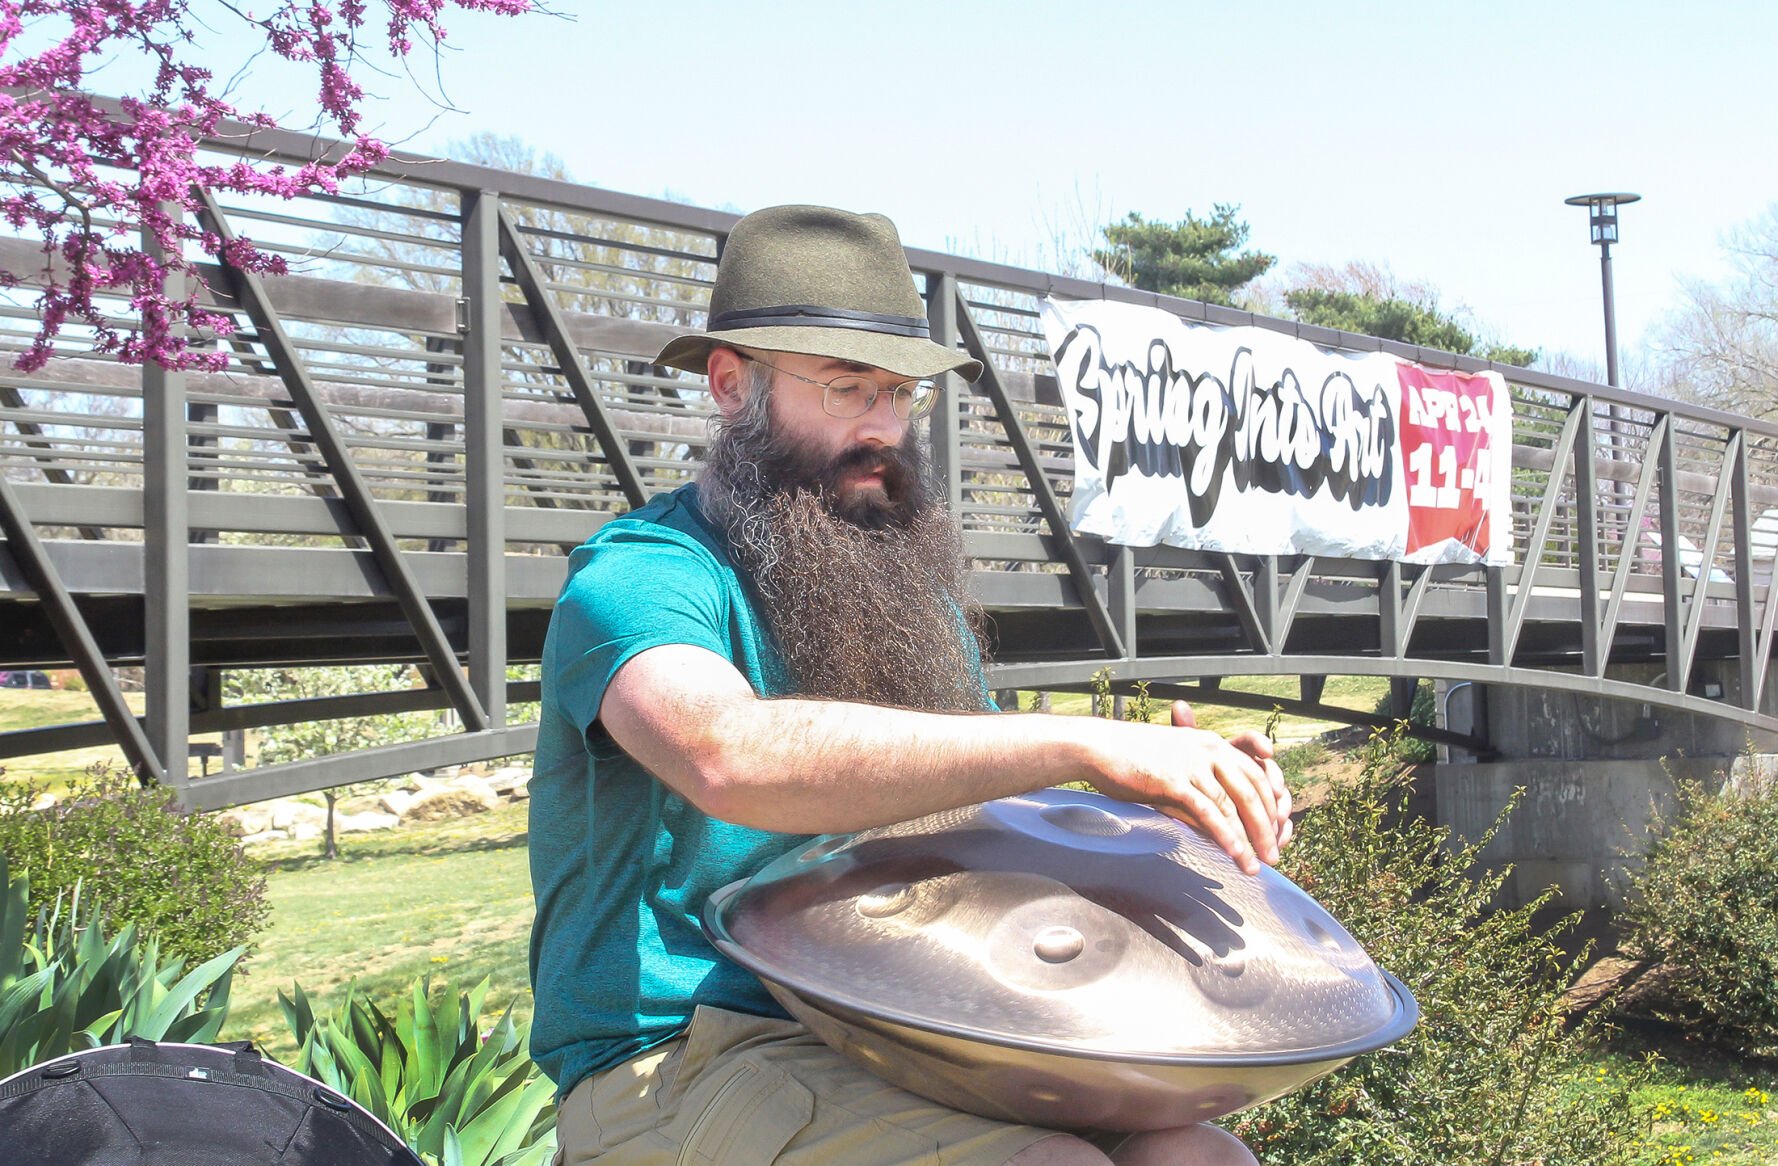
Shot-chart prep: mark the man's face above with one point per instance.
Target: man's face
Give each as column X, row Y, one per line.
column 856, row 459
column 854, row 562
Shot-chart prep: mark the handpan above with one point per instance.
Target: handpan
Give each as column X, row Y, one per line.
column 1060, row 959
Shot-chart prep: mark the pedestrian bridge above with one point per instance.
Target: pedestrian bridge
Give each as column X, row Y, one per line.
column 453, row 388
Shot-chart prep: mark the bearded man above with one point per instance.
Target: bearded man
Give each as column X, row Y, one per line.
column 787, row 648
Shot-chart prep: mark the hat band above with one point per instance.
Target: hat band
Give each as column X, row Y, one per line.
column 814, row 316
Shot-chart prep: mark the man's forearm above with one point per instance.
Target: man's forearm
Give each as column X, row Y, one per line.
column 815, row 767
column 818, row 767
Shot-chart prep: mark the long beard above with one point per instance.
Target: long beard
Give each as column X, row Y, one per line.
column 864, row 593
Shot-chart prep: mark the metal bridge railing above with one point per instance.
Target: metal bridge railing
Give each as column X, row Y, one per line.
column 452, row 388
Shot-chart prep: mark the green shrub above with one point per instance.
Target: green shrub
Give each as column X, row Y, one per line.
column 64, row 987
column 179, row 877
column 1422, row 713
column 1704, row 906
column 1483, row 1077
column 456, row 1097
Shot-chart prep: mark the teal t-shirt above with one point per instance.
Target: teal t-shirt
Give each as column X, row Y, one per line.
column 620, row 865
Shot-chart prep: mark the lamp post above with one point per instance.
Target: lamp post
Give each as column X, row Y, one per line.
column 1603, row 221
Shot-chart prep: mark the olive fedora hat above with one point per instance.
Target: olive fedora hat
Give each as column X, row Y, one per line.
column 821, row 282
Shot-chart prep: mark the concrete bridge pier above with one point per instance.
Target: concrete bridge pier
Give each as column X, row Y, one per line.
column 1594, row 772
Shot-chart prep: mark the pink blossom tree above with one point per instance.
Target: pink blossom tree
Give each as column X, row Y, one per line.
column 108, row 186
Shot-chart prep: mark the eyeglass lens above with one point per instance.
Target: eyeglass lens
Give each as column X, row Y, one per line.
column 853, row 397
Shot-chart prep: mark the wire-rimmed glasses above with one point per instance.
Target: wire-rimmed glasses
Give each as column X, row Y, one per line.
column 853, row 395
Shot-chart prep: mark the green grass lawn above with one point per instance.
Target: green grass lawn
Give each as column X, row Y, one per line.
column 447, row 899
column 29, row 708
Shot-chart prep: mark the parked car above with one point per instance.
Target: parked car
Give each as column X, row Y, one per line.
column 25, row 678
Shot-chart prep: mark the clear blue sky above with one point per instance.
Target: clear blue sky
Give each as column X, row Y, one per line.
column 1438, row 138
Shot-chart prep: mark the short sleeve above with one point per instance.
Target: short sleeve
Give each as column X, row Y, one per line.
column 633, row 592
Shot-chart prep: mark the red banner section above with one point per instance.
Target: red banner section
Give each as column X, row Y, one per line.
column 1446, row 451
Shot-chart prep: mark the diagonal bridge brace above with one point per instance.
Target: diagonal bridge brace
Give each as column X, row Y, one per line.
column 1098, row 614
column 250, row 293
column 555, row 329
column 1561, row 466
column 58, row 606
column 1265, row 614
column 1658, row 440
column 1694, row 623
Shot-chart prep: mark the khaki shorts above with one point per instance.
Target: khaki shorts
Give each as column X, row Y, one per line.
column 739, row 1090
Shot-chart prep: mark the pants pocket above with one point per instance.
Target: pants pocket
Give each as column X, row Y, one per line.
column 743, row 1118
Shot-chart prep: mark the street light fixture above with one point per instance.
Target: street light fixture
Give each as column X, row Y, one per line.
column 1603, row 223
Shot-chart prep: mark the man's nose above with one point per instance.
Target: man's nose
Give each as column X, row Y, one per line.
column 879, row 424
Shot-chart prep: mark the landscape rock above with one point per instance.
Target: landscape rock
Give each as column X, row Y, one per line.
column 43, row 801
column 365, row 821
column 422, row 798
column 249, row 820
column 474, row 783
column 288, row 815
column 462, row 796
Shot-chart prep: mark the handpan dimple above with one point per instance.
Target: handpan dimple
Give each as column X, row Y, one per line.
column 1085, row 820
column 1055, row 945
column 888, row 899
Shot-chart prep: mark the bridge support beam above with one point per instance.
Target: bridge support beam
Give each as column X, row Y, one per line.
column 484, row 455
column 166, row 579
column 947, row 420
column 1575, row 824
column 1594, row 772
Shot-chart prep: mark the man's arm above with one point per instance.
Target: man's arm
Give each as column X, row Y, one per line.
column 817, row 767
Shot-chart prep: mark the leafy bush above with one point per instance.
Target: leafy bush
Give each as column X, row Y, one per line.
column 1481, row 1080
column 457, row 1098
column 1422, row 713
column 64, row 987
column 1704, row 906
column 179, row 877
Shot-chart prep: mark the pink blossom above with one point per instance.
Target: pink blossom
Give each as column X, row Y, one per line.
column 61, row 153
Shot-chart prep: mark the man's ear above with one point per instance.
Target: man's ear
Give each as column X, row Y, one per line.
column 727, row 373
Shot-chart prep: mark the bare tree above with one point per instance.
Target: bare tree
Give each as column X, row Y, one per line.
column 1721, row 347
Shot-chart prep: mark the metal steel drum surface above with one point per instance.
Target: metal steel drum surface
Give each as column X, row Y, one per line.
column 1063, row 959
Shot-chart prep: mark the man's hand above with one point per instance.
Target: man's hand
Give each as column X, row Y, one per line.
column 1260, row 748
column 1229, row 788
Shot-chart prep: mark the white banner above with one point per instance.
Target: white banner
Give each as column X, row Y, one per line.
column 1244, row 440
